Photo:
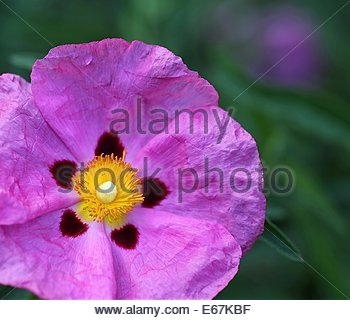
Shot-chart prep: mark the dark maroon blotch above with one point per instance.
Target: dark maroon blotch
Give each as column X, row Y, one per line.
column 71, row 225
column 109, row 143
column 127, row 237
column 63, row 171
column 154, row 191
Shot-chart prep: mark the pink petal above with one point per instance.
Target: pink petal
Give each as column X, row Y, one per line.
column 242, row 213
column 77, row 86
column 176, row 258
column 28, row 148
column 37, row 257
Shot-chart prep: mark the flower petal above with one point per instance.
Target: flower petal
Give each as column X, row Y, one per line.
column 176, row 258
column 28, row 148
column 208, row 177
column 85, row 90
column 36, row 256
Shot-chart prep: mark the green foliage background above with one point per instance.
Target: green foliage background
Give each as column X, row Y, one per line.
column 305, row 129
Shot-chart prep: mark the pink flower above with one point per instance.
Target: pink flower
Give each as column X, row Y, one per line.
column 283, row 31
column 69, row 231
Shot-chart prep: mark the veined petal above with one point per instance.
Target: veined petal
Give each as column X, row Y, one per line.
column 37, row 257
column 84, row 90
column 28, row 148
column 215, row 176
column 175, row 258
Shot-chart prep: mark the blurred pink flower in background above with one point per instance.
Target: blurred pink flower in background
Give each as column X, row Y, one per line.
column 260, row 38
column 285, row 32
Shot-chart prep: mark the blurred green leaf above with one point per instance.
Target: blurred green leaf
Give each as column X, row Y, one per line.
column 275, row 212
column 24, row 60
column 313, row 198
column 300, row 116
column 10, row 293
column 323, row 258
column 274, row 237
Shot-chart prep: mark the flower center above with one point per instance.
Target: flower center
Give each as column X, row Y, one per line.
column 109, row 189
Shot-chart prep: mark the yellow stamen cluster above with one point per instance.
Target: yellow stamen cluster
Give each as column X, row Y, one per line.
column 108, row 188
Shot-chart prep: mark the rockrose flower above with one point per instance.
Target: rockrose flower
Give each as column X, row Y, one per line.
column 120, row 178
